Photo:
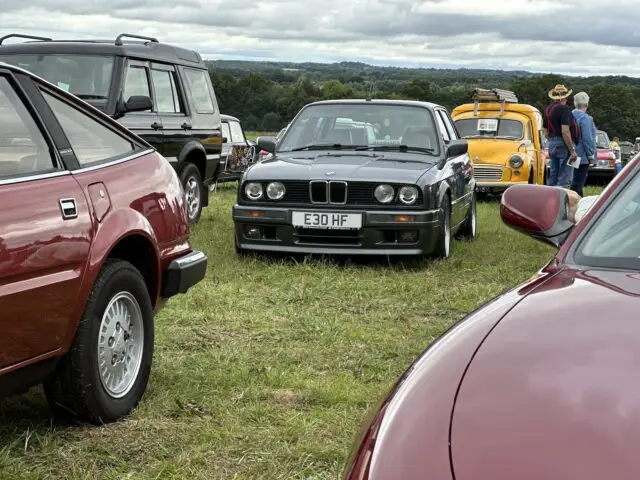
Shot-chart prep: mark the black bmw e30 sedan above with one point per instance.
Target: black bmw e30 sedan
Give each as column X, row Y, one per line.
column 388, row 177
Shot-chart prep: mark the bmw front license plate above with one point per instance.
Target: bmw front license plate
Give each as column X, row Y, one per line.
column 327, row 220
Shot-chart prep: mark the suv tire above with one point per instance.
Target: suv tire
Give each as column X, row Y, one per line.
column 194, row 191
column 82, row 385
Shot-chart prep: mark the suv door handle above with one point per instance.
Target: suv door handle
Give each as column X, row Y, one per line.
column 156, row 126
column 69, row 208
column 186, row 126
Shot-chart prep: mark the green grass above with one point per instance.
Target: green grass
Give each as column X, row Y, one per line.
column 253, row 135
column 267, row 368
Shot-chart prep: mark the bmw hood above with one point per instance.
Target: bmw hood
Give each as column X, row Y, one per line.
column 349, row 166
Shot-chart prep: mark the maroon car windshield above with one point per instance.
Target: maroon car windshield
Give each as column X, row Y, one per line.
column 613, row 241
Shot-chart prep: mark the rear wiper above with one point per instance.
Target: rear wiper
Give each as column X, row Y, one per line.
column 401, row 148
column 316, row 146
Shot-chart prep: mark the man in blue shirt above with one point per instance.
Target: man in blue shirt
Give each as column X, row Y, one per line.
column 586, row 146
column 558, row 120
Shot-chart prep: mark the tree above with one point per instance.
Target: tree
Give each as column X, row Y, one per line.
column 271, row 122
column 334, row 89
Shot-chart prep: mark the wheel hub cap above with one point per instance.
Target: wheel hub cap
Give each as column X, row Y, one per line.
column 192, row 197
column 120, row 344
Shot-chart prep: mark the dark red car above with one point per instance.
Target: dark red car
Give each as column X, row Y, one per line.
column 541, row 382
column 94, row 236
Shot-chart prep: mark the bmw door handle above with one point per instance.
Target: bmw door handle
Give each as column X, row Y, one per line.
column 186, row 126
column 156, row 126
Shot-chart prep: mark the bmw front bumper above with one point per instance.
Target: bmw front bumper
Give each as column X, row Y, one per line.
column 270, row 229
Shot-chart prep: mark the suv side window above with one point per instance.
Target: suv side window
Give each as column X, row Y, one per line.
column 166, row 90
column 23, row 148
column 237, row 136
column 91, row 141
column 136, row 83
column 199, row 85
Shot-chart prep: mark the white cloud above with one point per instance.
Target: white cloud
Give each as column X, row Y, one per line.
column 573, row 36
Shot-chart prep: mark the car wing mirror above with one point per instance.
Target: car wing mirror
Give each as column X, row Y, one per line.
column 138, row 103
column 225, row 139
column 457, row 147
column 539, row 211
column 267, row 143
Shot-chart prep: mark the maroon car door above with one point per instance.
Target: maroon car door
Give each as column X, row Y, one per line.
column 45, row 233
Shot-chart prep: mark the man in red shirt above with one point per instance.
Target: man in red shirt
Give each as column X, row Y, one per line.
column 558, row 118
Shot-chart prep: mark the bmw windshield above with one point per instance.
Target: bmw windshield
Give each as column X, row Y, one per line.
column 362, row 126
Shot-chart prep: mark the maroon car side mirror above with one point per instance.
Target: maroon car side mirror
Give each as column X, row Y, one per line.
column 540, row 211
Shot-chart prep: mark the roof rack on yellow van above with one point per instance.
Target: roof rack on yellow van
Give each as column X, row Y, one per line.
column 492, row 95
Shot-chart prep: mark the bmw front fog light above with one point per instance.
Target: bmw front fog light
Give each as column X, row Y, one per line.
column 516, row 161
column 384, row 193
column 275, row 191
column 408, row 195
column 253, row 191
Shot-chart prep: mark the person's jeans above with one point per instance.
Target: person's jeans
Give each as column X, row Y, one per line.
column 580, row 178
column 618, row 168
column 560, row 174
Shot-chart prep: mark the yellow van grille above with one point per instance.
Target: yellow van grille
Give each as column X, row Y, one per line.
column 490, row 173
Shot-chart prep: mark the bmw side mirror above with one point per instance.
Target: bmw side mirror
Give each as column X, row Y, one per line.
column 457, row 147
column 540, row 211
column 267, row 144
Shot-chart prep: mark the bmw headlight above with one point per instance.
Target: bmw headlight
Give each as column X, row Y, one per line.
column 253, row 191
column 275, row 191
column 516, row 161
column 408, row 195
column 384, row 193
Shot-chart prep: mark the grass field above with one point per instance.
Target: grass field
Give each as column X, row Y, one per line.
column 267, row 368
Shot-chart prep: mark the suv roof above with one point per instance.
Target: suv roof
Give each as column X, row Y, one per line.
column 228, row 118
column 149, row 48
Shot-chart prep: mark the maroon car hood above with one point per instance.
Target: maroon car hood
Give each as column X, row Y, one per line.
column 554, row 391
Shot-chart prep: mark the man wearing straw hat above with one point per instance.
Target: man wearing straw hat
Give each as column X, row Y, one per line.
column 558, row 119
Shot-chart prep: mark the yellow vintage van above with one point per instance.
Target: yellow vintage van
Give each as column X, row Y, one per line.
column 505, row 139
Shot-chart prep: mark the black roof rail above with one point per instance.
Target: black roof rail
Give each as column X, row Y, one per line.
column 20, row 35
column 120, row 37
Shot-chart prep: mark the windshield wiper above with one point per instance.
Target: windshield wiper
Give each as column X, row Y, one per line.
column 316, row 146
column 89, row 96
column 400, row 148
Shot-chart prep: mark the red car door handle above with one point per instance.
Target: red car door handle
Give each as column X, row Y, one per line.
column 69, row 209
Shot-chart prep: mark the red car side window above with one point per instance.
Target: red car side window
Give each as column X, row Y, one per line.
column 23, row 149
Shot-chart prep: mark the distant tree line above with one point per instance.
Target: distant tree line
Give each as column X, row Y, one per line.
column 266, row 96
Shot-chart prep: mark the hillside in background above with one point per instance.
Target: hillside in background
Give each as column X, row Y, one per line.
column 266, row 95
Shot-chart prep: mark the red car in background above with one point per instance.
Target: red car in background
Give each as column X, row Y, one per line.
column 605, row 161
column 539, row 383
column 94, row 237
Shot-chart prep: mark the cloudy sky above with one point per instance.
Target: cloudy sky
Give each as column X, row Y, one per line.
column 584, row 37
